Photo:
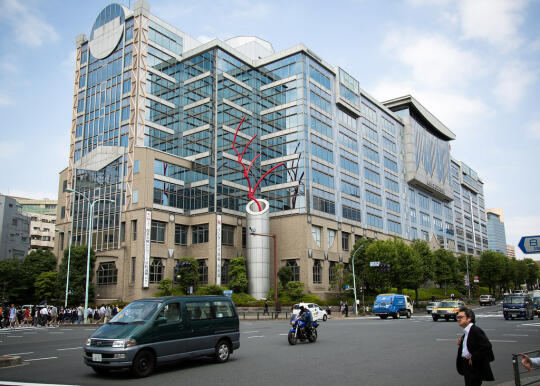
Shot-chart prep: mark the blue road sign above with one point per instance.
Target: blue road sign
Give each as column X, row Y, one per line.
column 530, row 244
column 228, row 293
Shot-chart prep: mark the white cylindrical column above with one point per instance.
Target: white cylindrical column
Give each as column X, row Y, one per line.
column 258, row 249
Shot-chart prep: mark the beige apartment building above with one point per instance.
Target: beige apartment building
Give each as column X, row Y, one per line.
column 42, row 213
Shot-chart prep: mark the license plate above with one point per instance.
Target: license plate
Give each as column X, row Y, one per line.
column 96, row 357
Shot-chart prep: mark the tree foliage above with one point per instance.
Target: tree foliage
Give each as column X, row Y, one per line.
column 45, row 285
column 295, row 289
column 285, row 275
column 340, row 277
column 77, row 274
column 187, row 274
column 238, row 281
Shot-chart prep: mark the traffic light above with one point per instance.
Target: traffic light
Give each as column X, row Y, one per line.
column 384, row 267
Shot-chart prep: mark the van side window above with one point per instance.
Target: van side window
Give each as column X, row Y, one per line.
column 223, row 309
column 171, row 312
column 199, row 310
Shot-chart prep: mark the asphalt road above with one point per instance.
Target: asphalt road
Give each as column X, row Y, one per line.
column 366, row 351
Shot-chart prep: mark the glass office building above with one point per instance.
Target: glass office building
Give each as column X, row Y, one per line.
column 496, row 231
column 154, row 122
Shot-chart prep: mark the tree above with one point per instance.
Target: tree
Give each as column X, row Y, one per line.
column 164, row 287
column 426, row 264
column 187, row 273
column 491, row 269
column 533, row 272
column 340, row 277
column 45, row 285
column 295, row 289
column 408, row 271
column 361, row 263
column 285, row 275
column 381, row 251
column 238, row 281
column 77, row 274
column 12, row 288
column 445, row 268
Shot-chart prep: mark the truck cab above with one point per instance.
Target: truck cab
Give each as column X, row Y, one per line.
column 518, row 306
column 394, row 305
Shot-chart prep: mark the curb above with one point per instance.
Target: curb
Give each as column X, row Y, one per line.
column 7, row 360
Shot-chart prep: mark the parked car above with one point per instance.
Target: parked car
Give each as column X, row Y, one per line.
column 487, row 300
column 317, row 311
column 518, row 306
column 448, row 309
column 394, row 305
column 149, row 332
column 431, row 306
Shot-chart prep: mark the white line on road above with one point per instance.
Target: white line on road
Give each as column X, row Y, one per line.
column 255, row 336
column 453, row 340
column 503, row 341
column 39, row 359
column 248, row 332
column 283, row 334
column 89, row 329
column 56, row 332
column 14, row 336
column 5, row 383
column 66, row 329
column 70, row 348
column 531, row 324
column 21, row 353
column 515, row 335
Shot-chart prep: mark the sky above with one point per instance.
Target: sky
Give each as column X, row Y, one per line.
column 475, row 64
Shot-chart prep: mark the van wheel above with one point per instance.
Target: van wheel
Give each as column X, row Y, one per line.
column 383, row 316
column 396, row 315
column 223, row 351
column 324, row 318
column 408, row 314
column 100, row 370
column 143, row 364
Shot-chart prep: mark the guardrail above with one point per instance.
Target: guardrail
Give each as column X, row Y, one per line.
column 516, row 360
column 261, row 315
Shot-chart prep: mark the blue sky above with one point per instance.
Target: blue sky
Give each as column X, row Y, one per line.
column 474, row 64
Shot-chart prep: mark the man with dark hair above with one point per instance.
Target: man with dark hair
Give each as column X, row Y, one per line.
column 474, row 352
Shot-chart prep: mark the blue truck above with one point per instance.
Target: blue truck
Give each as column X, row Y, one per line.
column 518, row 306
column 394, row 305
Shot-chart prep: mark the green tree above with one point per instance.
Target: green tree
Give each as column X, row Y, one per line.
column 164, row 287
column 285, row 275
column 211, row 289
column 407, row 271
column 295, row 290
column 426, row 264
column 522, row 272
column 383, row 252
column 340, row 277
column 361, row 263
column 45, row 285
column 12, row 288
column 491, row 269
column 187, row 274
column 238, row 281
column 533, row 272
column 445, row 268
column 77, row 274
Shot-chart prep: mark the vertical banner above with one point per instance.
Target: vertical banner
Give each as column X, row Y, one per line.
column 147, row 228
column 218, row 250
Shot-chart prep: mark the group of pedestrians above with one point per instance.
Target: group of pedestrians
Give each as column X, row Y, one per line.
column 12, row 316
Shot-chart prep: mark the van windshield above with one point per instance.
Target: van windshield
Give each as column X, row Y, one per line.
column 136, row 312
column 514, row 299
column 384, row 300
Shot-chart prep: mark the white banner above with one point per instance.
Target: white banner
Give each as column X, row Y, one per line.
column 147, row 229
column 218, row 250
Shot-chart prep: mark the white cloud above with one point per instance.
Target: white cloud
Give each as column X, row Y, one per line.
column 10, row 150
column 495, row 21
column 512, row 82
column 28, row 25
column 534, row 130
column 434, row 60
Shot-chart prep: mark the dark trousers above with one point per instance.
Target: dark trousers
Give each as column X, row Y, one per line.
column 472, row 378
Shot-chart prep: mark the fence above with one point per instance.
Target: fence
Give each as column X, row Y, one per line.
column 535, row 370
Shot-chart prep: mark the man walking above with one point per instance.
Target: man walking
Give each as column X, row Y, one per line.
column 474, row 352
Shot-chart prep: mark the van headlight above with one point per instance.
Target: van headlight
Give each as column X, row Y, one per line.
column 88, row 342
column 123, row 343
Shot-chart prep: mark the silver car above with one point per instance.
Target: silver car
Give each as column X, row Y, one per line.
column 432, row 305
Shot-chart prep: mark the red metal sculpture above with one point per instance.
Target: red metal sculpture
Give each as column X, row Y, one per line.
column 251, row 191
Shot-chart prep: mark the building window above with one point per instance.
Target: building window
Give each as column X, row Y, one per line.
column 136, row 166
column 224, row 272
column 331, row 236
column 180, row 234
column 199, row 234
column 203, row 272
column 425, row 236
column 317, row 271
column 64, row 185
column 316, row 232
column 157, row 233
column 331, row 271
column 156, row 271
column 122, row 231
column 414, row 234
column 295, row 269
column 227, row 234
column 244, row 237
column 424, row 220
column 134, row 230
column 107, row 273
column 345, row 241
column 63, row 212
column 133, row 264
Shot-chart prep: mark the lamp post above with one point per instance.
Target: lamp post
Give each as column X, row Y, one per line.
column 274, row 237
column 354, row 284
column 90, row 226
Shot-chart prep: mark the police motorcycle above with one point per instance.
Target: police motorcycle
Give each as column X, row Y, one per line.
column 300, row 331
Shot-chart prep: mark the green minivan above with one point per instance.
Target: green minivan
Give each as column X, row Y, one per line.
column 149, row 332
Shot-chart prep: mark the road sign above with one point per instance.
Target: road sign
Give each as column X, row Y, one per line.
column 374, row 263
column 476, row 280
column 530, row 244
column 228, row 293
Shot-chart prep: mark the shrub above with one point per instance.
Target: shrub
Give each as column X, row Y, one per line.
column 211, row 289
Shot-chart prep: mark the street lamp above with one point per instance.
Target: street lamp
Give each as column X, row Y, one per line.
column 354, row 284
column 274, row 237
column 90, row 226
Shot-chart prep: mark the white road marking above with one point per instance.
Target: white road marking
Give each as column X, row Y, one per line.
column 283, row 334
column 90, row 329
column 66, row 329
column 39, row 359
column 22, row 353
column 503, row 341
column 14, row 336
column 255, row 336
column 56, row 332
column 453, row 340
column 70, row 348
column 531, row 324
column 29, row 384
column 515, row 335
column 248, row 332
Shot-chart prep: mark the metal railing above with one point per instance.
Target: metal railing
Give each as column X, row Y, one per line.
column 535, row 371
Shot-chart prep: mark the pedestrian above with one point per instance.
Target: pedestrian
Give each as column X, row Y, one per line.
column 452, row 296
column 108, row 313
column 44, row 315
column 474, row 352
column 80, row 311
column 266, row 308
column 346, row 310
column 53, row 313
column 12, row 316
column 528, row 362
column 96, row 315
column 26, row 317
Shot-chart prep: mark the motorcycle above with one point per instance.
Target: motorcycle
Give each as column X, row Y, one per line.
column 299, row 330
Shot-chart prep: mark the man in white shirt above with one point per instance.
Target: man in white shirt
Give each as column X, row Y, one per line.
column 44, row 316
column 528, row 362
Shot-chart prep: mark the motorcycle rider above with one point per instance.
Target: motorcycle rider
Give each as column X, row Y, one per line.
column 305, row 315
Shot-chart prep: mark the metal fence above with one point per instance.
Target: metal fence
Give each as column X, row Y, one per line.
column 530, row 377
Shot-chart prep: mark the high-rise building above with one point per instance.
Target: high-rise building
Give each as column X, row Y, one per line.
column 14, row 229
column 510, row 251
column 42, row 215
column 153, row 129
column 496, row 232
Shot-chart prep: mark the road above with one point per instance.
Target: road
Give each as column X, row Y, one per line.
column 366, row 351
